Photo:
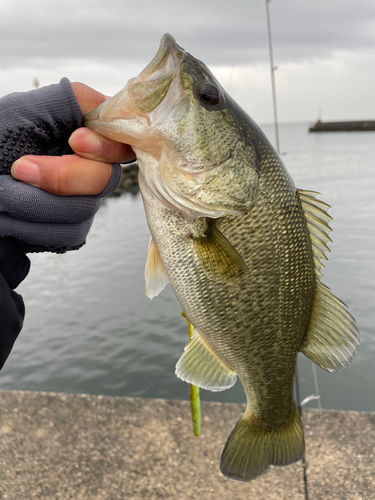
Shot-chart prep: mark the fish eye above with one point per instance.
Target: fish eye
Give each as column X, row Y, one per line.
column 209, row 94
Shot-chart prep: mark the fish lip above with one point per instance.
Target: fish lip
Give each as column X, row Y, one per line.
column 168, row 46
column 166, row 41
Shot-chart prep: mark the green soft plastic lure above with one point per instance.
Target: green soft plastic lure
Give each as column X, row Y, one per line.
column 194, row 394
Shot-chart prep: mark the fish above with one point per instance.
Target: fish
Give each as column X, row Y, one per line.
column 241, row 246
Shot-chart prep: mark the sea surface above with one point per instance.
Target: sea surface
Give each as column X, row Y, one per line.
column 90, row 328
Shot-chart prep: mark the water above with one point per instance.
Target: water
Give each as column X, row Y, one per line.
column 90, row 328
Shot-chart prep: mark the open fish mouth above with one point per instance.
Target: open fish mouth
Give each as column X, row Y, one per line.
column 166, row 60
column 143, row 93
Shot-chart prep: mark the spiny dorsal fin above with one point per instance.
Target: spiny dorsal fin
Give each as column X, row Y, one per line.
column 332, row 336
column 217, row 256
column 317, row 220
column 155, row 276
column 199, row 366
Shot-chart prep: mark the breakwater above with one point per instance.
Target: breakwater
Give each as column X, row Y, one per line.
column 349, row 126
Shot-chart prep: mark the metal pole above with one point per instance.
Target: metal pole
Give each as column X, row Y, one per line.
column 299, row 406
column 273, row 69
column 315, row 375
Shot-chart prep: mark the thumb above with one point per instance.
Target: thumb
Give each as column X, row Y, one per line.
column 63, row 175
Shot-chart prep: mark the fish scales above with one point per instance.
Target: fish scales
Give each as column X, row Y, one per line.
column 241, row 247
column 280, row 274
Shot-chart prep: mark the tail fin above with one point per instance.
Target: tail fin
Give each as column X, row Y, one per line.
column 250, row 450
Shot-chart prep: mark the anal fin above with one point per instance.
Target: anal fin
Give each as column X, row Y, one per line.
column 199, row 366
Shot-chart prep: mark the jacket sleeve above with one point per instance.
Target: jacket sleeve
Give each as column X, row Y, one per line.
column 14, row 267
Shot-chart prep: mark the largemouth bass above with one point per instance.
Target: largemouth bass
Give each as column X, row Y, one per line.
column 240, row 245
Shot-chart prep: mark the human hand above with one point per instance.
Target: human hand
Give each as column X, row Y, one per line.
column 87, row 172
column 35, row 127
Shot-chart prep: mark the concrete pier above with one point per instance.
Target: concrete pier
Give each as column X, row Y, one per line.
column 59, row 446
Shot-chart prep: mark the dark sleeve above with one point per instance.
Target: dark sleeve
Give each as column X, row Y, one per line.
column 38, row 122
column 14, row 267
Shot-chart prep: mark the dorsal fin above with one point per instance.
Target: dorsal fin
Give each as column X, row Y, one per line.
column 199, row 366
column 155, row 276
column 317, row 220
column 332, row 336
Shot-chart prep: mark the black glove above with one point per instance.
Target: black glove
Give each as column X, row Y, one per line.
column 40, row 221
column 40, row 122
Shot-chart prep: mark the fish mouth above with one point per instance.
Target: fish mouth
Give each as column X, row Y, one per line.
column 166, row 60
column 143, row 93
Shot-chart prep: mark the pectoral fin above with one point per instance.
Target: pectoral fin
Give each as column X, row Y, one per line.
column 217, row 256
column 332, row 336
column 200, row 366
column 155, row 276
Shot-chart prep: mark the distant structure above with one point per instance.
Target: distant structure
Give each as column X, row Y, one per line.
column 36, row 83
column 352, row 126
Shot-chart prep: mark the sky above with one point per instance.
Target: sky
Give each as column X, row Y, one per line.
column 324, row 50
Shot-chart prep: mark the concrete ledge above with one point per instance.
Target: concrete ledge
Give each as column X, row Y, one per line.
column 59, row 446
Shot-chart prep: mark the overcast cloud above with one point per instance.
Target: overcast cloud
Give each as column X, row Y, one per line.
column 324, row 50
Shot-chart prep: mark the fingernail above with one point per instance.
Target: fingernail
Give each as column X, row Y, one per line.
column 25, row 171
column 85, row 141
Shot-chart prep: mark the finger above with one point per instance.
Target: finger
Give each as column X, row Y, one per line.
column 63, row 175
column 88, row 98
column 87, row 143
column 93, row 146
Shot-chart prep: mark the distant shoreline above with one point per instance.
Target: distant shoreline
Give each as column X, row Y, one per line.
column 349, row 126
